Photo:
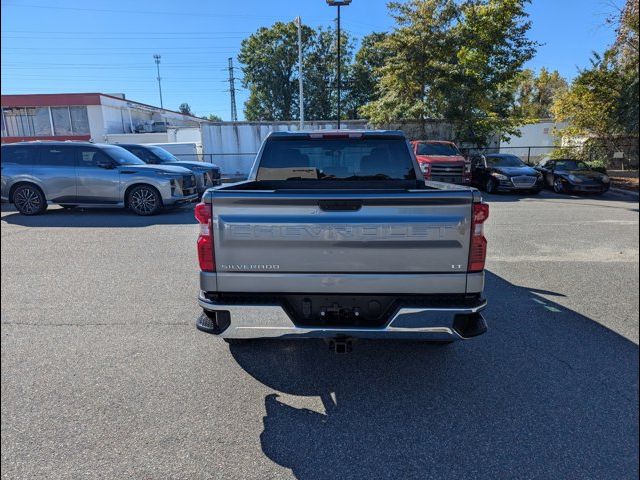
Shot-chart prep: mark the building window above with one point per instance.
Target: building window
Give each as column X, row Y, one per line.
column 36, row 121
column 61, row 121
column 25, row 122
column 79, row 120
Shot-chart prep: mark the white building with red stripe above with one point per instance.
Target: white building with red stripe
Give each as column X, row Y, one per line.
column 83, row 116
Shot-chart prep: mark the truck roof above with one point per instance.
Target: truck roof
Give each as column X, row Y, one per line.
column 333, row 133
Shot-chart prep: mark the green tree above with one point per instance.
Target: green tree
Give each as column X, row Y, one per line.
column 365, row 73
column 411, row 80
column 185, row 109
column 458, row 61
column 269, row 60
column 212, row 117
column 536, row 93
column 603, row 99
column 594, row 104
column 320, row 74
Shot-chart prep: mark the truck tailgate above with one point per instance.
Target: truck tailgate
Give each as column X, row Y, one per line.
column 270, row 234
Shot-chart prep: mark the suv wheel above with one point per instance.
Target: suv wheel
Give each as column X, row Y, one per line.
column 144, row 200
column 29, row 200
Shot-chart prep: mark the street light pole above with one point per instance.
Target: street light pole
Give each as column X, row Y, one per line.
column 300, row 86
column 339, row 3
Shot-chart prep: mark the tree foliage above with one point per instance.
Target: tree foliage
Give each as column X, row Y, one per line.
column 321, row 73
column 603, row 99
column 212, row 117
column 458, row 61
column 269, row 60
column 536, row 93
column 365, row 72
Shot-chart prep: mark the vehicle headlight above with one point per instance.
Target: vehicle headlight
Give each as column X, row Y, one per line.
column 574, row 179
column 605, row 179
column 166, row 174
column 425, row 167
column 499, row 176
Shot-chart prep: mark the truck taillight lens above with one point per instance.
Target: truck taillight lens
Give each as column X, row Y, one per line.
column 206, row 257
column 478, row 249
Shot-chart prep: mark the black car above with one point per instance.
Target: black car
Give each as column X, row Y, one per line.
column 572, row 176
column 501, row 172
column 207, row 174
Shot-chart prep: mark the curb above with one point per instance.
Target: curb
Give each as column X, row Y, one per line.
column 627, row 193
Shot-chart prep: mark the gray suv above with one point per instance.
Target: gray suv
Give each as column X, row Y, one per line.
column 35, row 174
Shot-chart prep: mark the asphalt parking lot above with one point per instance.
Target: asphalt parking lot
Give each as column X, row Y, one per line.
column 105, row 376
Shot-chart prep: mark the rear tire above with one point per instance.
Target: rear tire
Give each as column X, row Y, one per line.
column 144, row 200
column 29, row 200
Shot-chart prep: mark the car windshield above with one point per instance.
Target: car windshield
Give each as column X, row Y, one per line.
column 570, row 165
column 163, row 155
column 122, row 156
column 440, row 149
column 505, row 161
column 336, row 159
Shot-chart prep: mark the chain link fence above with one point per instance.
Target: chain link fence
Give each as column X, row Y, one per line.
column 614, row 157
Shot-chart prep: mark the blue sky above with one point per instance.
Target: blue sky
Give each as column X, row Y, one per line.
column 108, row 45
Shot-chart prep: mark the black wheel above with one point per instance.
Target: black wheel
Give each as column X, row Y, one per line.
column 237, row 341
column 490, row 186
column 558, row 187
column 68, row 207
column 144, row 200
column 29, row 200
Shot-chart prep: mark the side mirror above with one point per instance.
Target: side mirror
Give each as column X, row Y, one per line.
column 106, row 165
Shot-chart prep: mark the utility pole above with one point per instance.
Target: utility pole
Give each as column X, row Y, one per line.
column 156, row 57
column 300, row 78
column 232, row 90
column 339, row 3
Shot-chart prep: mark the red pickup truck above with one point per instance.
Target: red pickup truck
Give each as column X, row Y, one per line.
column 441, row 161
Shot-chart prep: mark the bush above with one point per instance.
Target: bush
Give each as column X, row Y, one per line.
column 599, row 165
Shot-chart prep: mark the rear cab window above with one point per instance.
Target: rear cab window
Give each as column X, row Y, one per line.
column 343, row 159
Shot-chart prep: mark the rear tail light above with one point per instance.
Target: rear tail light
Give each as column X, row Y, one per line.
column 478, row 249
column 206, row 256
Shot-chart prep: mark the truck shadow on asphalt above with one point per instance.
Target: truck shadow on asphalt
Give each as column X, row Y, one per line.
column 100, row 218
column 546, row 393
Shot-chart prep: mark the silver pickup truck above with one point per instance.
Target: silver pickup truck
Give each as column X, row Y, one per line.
column 336, row 235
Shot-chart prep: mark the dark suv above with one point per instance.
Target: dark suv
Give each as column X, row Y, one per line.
column 35, row 174
column 207, row 174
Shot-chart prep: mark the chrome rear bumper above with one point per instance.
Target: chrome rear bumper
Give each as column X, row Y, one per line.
column 271, row 321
